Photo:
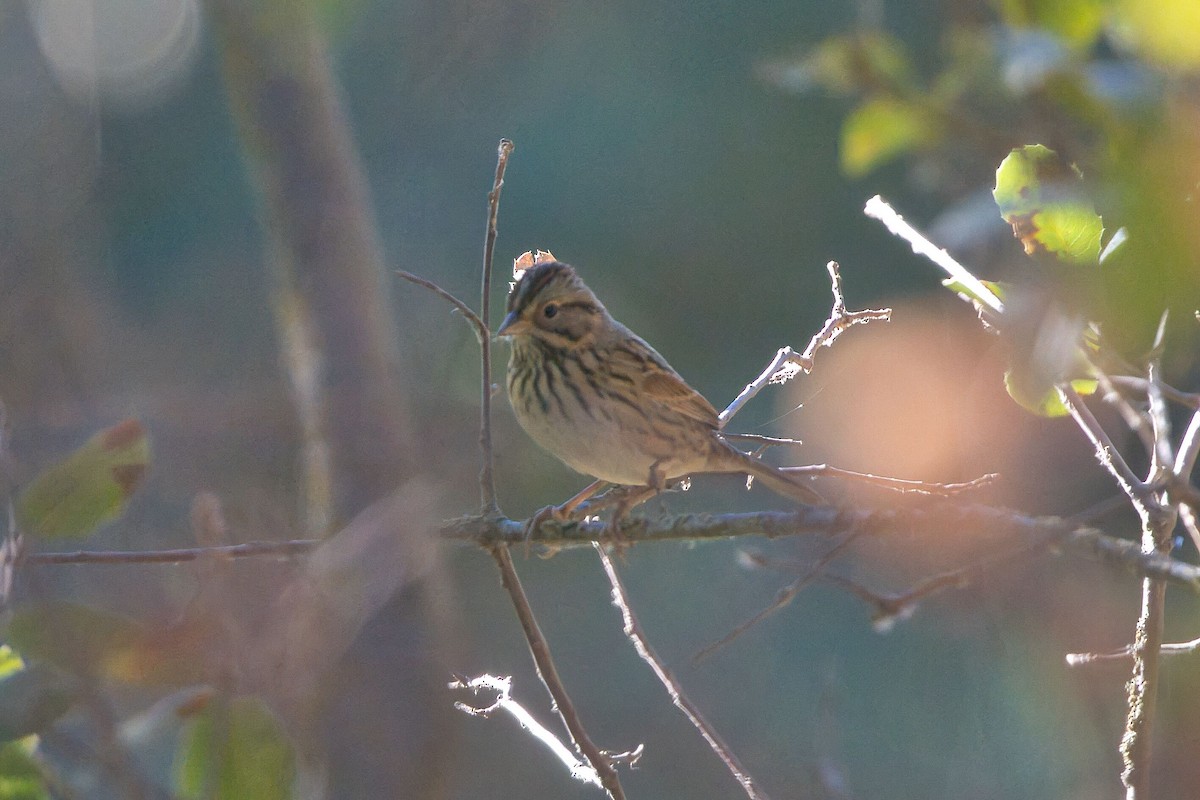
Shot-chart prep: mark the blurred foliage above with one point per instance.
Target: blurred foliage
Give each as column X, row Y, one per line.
column 20, row 778
column 90, row 487
column 233, row 750
column 31, row 699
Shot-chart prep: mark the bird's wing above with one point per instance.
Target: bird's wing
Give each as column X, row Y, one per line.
column 656, row 381
column 671, row 390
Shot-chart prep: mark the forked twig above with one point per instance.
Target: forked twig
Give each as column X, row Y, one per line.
column 504, row 702
column 633, row 630
column 787, row 363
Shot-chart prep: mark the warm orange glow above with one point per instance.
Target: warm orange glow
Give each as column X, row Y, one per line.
column 921, row 398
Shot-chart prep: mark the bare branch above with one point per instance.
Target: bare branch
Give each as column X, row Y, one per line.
column 878, row 208
column 637, row 636
column 787, row 363
column 1064, row 535
column 283, row 549
column 1106, row 452
column 487, row 481
column 1190, row 400
column 897, row 484
column 544, row 663
column 1135, row 420
column 784, row 597
column 1126, row 652
column 481, row 331
column 504, row 702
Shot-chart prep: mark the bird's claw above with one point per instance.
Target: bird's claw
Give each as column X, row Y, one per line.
column 546, row 514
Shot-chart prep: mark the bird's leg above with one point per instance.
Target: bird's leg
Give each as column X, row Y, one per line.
column 561, row 513
column 636, row 495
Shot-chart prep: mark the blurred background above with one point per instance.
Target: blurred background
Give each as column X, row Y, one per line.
column 695, row 162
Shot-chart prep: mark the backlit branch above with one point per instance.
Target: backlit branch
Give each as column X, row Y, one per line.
column 787, row 363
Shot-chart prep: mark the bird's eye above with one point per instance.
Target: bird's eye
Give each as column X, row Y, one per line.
column 550, row 311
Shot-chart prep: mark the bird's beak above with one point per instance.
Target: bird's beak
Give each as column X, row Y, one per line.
column 512, row 325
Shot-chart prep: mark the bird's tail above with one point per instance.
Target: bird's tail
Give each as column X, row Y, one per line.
column 781, row 483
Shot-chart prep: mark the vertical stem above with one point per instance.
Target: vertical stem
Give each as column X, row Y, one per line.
column 1143, row 691
column 487, row 481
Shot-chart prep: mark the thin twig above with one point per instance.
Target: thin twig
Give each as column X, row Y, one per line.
column 1135, row 420
column 544, row 663
column 1190, row 400
column 538, row 646
column 787, row 363
column 782, row 598
column 1162, row 457
column 1185, row 462
column 1126, row 652
column 487, row 481
column 633, row 630
column 763, row 442
column 900, row 606
column 481, row 330
column 897, row 484
column 294, row 547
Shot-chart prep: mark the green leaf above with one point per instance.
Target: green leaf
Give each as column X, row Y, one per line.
column 92, row 486
column 234, row 750
column 33, row 698
column 881, row 129
column 1047, row 403
column 1044, row 202
column 20, row 778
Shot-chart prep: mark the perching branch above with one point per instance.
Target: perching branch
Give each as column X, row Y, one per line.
column 1061, row 536
column 787, row 363
column 1065, row 536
